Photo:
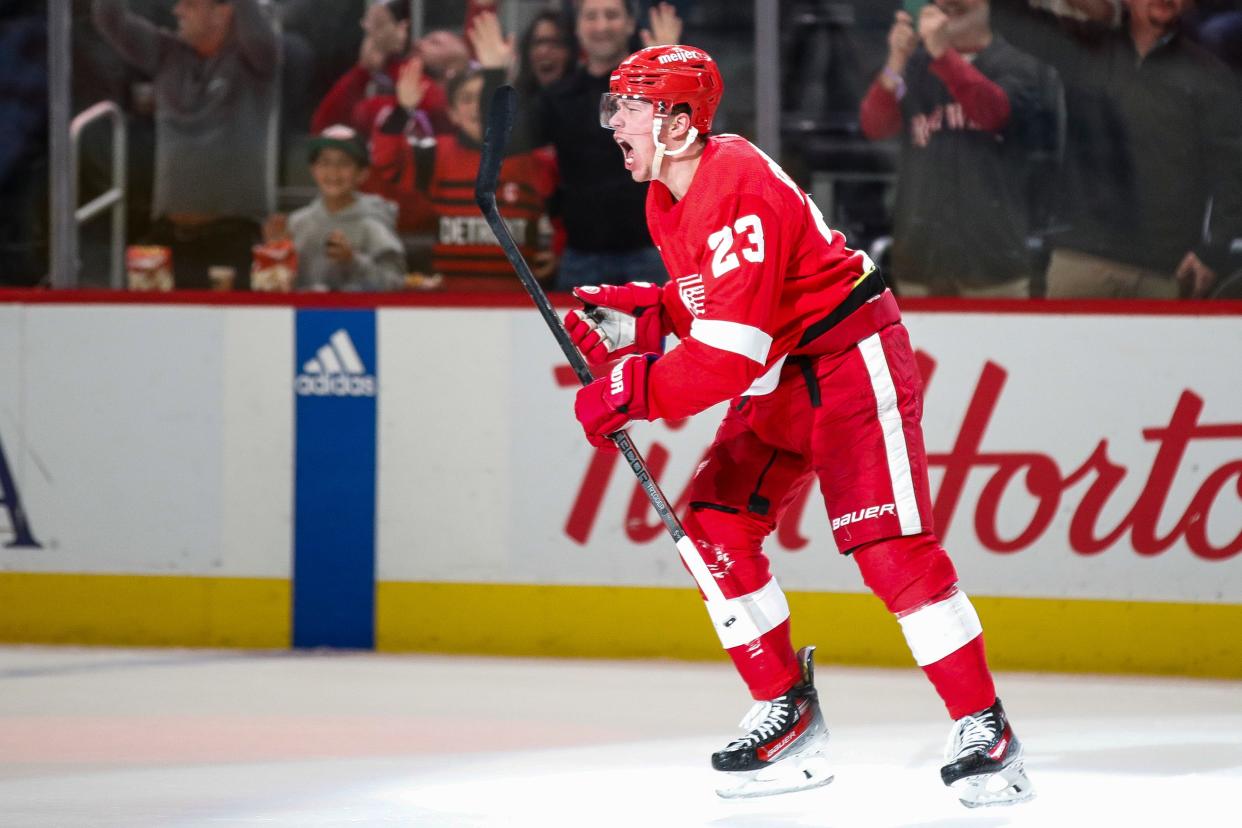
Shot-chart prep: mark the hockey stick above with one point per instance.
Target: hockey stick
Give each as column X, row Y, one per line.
column 495, row 139
column 733, row 627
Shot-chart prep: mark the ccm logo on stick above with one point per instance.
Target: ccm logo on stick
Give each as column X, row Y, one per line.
column 863, row 514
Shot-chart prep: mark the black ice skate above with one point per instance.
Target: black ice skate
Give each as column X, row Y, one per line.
column 985, row 760
column 783, row 752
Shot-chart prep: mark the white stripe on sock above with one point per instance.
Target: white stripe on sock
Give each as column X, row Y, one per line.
column 940, row 629
column 740, row 620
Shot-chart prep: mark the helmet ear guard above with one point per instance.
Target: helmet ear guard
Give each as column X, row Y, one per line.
column 662, row 148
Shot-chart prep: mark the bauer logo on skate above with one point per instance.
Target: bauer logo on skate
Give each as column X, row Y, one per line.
column 770, row 752
column 336, row 370
column 1099, row 503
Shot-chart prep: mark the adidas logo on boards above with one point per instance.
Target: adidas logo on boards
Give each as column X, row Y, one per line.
column 335, row 371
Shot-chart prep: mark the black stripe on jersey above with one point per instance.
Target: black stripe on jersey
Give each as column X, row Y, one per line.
column 468, row 186
column 871, row 285
column 479, row 271
column 470, row 202
column 469, row 257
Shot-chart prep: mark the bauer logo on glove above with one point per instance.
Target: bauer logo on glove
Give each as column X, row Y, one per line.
column 607, row 405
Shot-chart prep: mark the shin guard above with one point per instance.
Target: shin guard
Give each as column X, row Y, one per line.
column 747, row 607
column 915, row 579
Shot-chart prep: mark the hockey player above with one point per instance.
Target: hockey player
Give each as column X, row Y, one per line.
column 775, row 313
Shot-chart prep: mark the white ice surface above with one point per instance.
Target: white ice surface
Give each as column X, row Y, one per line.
column 205, row 738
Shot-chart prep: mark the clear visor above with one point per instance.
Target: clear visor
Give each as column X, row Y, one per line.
column 625, row 113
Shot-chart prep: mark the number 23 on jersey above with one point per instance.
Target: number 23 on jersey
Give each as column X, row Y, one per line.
column 750, row 230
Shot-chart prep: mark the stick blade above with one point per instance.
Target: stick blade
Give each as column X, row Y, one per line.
column 495, row 140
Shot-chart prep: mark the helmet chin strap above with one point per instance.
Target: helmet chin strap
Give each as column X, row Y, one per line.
column 661, row 149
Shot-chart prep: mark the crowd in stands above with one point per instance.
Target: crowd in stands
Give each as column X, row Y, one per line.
column 1143, row 198
column 1059, row 148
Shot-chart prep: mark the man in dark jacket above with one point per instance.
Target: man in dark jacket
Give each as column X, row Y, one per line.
column 1154, row 142
column 612, row 245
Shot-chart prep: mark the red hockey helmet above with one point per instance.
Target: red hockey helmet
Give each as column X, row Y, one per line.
column 671, row 75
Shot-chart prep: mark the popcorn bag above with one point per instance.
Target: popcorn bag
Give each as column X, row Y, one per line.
column 274, row 267
column 149, row 268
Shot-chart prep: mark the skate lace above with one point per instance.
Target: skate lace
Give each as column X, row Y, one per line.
column 972, row 733
column 764, row 719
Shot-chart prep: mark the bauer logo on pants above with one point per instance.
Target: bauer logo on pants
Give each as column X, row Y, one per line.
column 863, row 514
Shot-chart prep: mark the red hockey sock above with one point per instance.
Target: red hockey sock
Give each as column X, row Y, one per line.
column 768, row 664
column 963, row 680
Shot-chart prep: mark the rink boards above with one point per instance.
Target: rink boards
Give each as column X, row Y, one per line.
column 410, row 477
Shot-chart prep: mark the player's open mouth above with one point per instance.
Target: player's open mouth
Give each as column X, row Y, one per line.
column 627, row 151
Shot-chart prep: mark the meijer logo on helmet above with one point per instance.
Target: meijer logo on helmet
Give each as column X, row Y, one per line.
column 681, row 54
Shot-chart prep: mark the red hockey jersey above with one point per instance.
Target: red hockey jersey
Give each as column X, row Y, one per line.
column 755, row 276
column 464, row 243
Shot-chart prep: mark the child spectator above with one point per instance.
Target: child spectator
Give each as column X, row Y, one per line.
column 465, row 252
column 345, row 239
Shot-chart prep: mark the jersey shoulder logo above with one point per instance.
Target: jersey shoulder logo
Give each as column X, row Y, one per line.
column 693, row 294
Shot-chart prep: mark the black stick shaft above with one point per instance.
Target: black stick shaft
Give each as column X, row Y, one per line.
column 496, row 138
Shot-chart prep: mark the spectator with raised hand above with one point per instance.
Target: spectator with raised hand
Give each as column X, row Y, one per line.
column 465, row 253
column 215, row 81
column 663, row 26
column 385, row 44
column 543, row 56
column 345, row 239
column 960, row 97
column 1153, row 154
column 440, row 53
column 612, row 246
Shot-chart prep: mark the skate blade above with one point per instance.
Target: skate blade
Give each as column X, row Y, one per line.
column 812, row 772
column 1008, row 786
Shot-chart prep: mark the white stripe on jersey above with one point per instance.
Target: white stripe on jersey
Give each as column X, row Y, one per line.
column 894, row 436
column 734, row 337
column 767, row 383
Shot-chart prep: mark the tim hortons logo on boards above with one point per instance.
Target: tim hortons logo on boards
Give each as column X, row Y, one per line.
column 1046, row 483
